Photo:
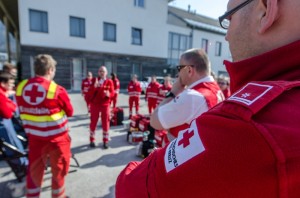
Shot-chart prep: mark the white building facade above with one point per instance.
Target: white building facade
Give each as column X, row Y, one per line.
column 143, row 37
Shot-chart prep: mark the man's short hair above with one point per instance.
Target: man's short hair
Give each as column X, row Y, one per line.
column 10, row 68
column 42, row 64
column 5, row 77
column 198, row 58
column 7, row 67
column 134, row 76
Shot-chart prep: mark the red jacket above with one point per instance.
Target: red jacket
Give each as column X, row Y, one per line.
column 247, row 146
column 97, row 95
column 85, row 85
column 134, row 89
column 7, row 106
column 44, row 107
column 161, row 90
column 152, row 90
column 226, row 93
column 212, row 94
column 116, row 83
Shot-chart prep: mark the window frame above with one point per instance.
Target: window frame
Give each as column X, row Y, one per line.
column 204, row 44
column 105, row 37
column 139, row 3
column 176, row 48
column 218, row 48
column 44, row 25
column 79, row 19
column 133, row 29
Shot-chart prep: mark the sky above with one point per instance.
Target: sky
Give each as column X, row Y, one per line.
column 210, row 8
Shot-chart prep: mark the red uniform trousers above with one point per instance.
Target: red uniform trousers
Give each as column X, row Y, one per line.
column 104, row 112
column 58, row 153
column 134, row 100
column 152, row 102
column 114, row 100
column 87, row 101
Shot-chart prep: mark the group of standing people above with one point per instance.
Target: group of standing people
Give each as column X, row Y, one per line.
column 195, row 91
column 155, row 92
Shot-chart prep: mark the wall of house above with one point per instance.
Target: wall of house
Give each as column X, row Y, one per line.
column 150, row 57
column 178, row 25
column 216, row 61
column 120, row 12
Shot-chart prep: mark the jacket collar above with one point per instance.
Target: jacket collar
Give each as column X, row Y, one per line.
column 280, row 64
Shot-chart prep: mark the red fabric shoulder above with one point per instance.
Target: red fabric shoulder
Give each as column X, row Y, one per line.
column 65, row 101
column 7, row 107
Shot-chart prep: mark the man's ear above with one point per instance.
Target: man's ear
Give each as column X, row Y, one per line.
column 268, row 14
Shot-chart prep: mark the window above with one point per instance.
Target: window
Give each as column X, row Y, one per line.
column 139, row 3
column 136, row 35
column 136, row 69
column 77, row 27
column 204, row 45
column 38, row 21
column 218, row 48
column 178, row 43
column 109, row 32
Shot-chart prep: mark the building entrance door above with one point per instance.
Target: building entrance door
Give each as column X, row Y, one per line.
column 78, row 73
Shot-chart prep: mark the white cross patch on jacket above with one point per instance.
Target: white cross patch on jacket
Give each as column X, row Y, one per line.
column 187, row 145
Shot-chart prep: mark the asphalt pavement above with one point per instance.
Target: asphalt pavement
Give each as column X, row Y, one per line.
column 99, row 167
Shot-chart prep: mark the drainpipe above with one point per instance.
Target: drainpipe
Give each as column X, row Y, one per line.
column 192, row 36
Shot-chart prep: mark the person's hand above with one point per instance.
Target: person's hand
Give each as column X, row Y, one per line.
column 163, row 92
column 96, row 84
column 177, row 87
column 106, row 92
column 10, row 93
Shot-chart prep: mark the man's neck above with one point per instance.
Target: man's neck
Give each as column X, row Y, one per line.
column 47, row 77
column 203, row 78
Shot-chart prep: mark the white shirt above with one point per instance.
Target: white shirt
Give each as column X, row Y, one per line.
column 187, row 106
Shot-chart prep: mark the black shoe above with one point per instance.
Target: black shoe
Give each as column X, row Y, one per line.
column 105, row 145
column 92, row 145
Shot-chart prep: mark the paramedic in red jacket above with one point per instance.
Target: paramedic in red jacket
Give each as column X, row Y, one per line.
column 101, row 93
column 134, row 91
column 7, row 106
column 164, row 89
column 85, row 86
column 116, row 82
column 44, row 107
column 151, row 94
column 193, row 93
column 224, row 83
column 249, row 145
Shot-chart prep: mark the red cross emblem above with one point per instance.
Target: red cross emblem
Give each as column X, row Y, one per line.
column 186, row 138
column 34, row 94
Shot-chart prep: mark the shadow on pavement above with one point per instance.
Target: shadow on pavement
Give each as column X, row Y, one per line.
column 111, row 193
column 80, row 149
column 80, row 125
column 79, row 117
column 4, row 188
column 112, row 160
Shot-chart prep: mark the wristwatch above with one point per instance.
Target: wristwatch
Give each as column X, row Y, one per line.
column 170, row 94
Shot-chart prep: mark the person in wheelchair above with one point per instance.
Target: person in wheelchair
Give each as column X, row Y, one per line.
column 12, row 149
